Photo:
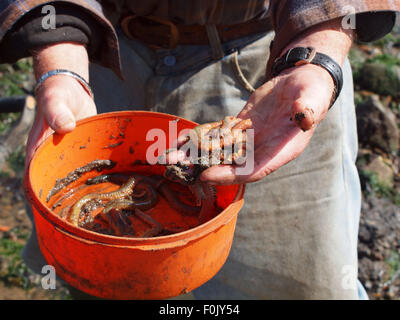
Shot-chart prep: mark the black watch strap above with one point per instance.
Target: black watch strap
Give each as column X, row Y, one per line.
column 299, row 56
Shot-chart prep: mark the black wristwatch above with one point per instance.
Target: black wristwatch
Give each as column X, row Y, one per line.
column 299, row 56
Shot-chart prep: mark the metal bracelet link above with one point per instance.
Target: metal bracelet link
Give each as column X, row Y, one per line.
column 74, row 75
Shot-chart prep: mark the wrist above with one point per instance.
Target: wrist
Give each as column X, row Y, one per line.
column 328, row 38
column 57, row 72
column 68, row 56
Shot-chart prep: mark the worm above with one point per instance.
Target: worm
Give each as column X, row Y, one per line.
column 98, row 165
column 156, row 183
column 208, row 204
column 140, row 192
column 120, row 193
column 156, row 226
column 179, row 206
column 124, row 204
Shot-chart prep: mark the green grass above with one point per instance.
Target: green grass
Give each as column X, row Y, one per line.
column 13, row 78
column 9, row 247
column 380, row 188
column 16, row 160
column 6, row 120
column 14, row 81
column 386, row 40
column 357, row 59
column 394, row 264
column 358, row 99
column 386, row 59
column 16, row 273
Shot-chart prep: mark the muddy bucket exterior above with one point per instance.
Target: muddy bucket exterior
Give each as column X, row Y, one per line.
column 124, row 267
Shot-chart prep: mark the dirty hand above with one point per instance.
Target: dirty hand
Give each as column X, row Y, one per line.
column 273, row 108
column 61, row 99
column 286, row 110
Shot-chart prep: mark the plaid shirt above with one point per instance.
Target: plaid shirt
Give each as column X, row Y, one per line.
column 289, row 17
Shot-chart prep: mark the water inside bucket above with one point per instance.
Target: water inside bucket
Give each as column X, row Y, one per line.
column 126, row 222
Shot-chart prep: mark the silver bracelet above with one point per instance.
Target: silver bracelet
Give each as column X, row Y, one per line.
column 74, row 75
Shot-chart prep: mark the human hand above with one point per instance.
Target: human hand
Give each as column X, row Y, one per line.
column 61, row 99
column 285, row 112
column 302, row 94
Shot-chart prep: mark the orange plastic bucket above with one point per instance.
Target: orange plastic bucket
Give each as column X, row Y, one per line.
column 122, row 267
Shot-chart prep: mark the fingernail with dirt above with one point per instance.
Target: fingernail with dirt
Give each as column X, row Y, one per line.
column 305, row 119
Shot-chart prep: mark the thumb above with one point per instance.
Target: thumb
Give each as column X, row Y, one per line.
column 56, row 112
column 310, row 108
column 303, row 115
column 56, row 102
column 58, row 115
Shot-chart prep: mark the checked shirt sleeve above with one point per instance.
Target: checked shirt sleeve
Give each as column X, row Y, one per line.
column 374, row 18
column 88, row 26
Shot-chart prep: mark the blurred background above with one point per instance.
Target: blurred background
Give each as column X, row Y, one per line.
column 376, row 70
